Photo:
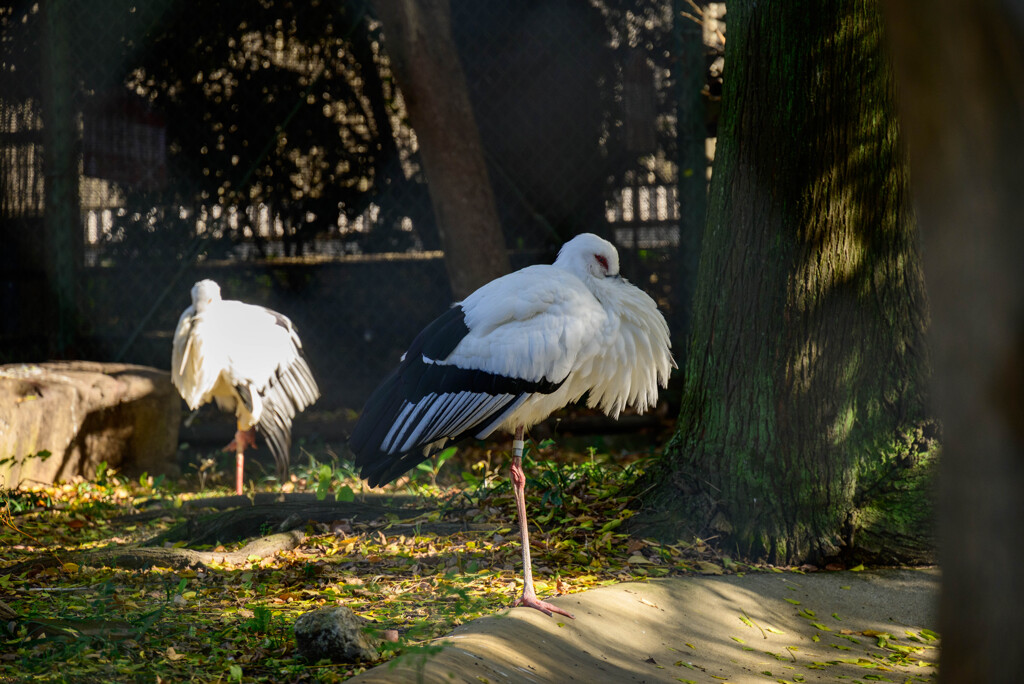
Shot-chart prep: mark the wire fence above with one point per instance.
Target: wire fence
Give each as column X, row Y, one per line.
column 144, row 146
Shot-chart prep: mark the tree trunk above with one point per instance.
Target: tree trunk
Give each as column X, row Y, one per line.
column 963, row 110
column 690, row 74
column 803, row 434
column 423, row 56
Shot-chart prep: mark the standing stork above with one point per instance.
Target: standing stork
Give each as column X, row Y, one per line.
column 249, row 360
column 507, row 356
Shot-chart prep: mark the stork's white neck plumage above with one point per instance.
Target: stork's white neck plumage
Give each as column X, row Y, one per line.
column 204, row 293
column 589, row 256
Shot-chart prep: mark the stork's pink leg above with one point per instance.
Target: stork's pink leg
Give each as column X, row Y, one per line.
column 243, row 439
column 529, row 598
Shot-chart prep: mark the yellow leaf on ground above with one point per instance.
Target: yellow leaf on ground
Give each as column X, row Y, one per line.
column 707, row 568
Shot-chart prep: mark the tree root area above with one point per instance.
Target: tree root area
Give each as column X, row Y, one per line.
column 272, row 523
column 142, row 557
column 252, row 520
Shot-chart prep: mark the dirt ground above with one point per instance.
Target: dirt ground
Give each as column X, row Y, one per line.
column 764, row 627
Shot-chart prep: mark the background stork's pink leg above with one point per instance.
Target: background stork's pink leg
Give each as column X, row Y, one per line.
column 243, row 439
column 529, row 598
column 239, row 464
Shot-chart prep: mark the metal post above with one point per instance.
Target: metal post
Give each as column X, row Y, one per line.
column 61, row 161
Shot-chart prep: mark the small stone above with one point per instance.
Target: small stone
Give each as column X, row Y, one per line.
column 336, row 634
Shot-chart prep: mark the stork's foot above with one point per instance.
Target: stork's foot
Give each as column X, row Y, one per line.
column 244, row 439
column 543, row 606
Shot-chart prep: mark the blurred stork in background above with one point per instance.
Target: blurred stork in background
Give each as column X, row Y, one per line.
column 249, row 360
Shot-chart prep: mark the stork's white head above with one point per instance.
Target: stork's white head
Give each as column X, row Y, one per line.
column 203, row 293
column 588, row 254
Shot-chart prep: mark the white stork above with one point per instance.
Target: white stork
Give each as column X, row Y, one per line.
column 510, row 354
column 249, row 360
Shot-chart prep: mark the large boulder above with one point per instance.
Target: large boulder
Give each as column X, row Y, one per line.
column 84, row 413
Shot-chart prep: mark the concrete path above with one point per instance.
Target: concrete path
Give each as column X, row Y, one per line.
column 764, row 627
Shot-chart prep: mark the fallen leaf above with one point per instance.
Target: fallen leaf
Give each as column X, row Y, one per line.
column 635, row 545
column 708, row 568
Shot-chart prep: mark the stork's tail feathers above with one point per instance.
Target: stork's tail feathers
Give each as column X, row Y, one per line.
column 276, row 428
column 290, row 391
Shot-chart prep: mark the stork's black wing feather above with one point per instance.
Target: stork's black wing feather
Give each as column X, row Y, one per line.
column 426, row 402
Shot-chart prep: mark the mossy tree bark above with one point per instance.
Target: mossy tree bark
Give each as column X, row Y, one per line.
column 803, row 434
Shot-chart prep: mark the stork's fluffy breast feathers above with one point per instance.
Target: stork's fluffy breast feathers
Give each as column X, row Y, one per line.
column 513, row 352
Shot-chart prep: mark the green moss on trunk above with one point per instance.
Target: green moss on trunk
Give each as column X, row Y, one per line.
column 806, row 369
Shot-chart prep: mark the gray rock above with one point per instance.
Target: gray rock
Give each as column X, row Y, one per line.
column 336, row 634
column 84, row 413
